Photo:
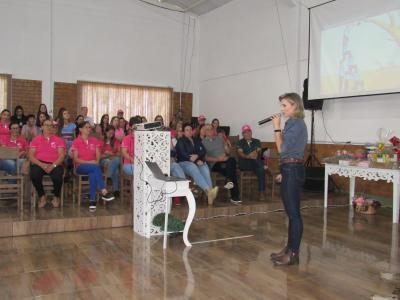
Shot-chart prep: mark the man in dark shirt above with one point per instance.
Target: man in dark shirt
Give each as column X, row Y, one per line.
column 249, row 151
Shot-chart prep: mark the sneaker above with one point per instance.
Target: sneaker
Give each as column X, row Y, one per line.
column 92, row 206
column 212, row 194
column 229, row 185
column 108, row 196
column 236, row 201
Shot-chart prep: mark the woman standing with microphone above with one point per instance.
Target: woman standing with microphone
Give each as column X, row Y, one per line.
column 291, row 143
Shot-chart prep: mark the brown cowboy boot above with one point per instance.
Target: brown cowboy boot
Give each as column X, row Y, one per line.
column 280, row 253
column 290, row 258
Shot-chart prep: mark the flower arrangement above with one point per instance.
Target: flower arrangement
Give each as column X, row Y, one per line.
column 365, row 206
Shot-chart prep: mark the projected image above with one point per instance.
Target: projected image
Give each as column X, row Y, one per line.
column 361, row 57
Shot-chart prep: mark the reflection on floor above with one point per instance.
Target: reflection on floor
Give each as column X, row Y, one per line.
column 116, row 214
column 348, row 258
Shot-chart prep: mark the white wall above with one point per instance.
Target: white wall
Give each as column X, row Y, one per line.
column 121, row 41
column 253, row 51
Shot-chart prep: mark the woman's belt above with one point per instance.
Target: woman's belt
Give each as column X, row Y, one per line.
column 291, row 161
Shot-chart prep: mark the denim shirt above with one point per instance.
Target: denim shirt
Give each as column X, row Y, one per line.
column 294, row 136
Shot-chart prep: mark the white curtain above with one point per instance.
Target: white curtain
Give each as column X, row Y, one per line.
column 3, row 92
column 102, row 98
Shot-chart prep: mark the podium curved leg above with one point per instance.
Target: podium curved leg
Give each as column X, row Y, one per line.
column 192, row 210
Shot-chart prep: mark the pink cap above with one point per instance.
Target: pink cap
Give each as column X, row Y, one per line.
column 246, row 128
column 201, row 117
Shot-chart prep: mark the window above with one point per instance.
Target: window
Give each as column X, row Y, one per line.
column 3, row 91
column 102, row 98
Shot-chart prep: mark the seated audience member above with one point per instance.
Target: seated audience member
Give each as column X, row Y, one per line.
column 110, row 157
column 104, row 122
column 15, row 140
column 215, row 126
column 39, row 123
column 18, row 116
column 219, row 161
column 120, row 115
column 201, row 120
column 122, row 125
column 86, row 155
column 144, row 119
column 227, row 142
column 42, row 109
column 65, row 128
column 4, row 123
column 84, row 113
column 128, row 147
column 119, row 132
column 46, row 154
column 191, row 157
column 160, row 119
column 79, row 119
column 30, row 130
column 249, row 151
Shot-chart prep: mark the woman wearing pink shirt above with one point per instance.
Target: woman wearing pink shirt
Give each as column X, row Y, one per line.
column 127, row 147
column 86, row 154
column 110, row 157
column 119, row 132
column 46, row 154
column 5, row 123
column 15, row 140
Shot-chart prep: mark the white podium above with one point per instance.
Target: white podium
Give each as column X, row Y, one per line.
column 153, row 196
column 148, row 199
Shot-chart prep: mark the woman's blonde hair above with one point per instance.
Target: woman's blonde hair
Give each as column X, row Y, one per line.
column 294, row 99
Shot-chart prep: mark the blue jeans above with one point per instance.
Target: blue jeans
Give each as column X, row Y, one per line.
column 200, row 174
column 257, row 166
column 128, row 169
column 176, row 170
column 96, row 181
column 113, row 170
column 10, row 165
column 293, row 176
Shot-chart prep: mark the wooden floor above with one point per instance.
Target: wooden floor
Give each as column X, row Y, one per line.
column 342, row 257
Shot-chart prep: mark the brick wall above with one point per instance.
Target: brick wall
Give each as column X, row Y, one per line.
column 27, row 93
column 65, row 95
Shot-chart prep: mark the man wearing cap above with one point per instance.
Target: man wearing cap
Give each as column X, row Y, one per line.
column 249, row 151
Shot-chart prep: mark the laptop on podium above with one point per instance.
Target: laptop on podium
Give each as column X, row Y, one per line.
column 158, row 174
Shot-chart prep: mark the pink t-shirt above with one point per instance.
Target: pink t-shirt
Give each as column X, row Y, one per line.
column 20, row 143
column 119, row 133
column 86, row 149
column 107, row 147
column 129, row 143
column 47, row 148
column 4, row 129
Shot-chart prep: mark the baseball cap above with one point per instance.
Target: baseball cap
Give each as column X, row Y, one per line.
column 246, row 128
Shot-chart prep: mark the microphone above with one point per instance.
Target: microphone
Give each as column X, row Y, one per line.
column 269, row 119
